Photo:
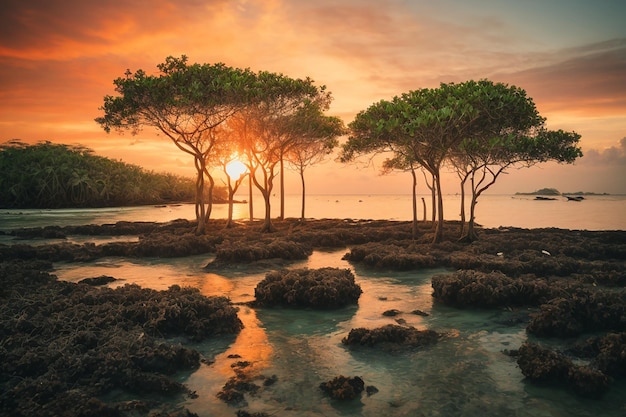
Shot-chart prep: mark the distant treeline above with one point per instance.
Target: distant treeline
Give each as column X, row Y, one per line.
column 48, row 175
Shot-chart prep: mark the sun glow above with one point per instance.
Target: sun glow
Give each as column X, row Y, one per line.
column 236, row 169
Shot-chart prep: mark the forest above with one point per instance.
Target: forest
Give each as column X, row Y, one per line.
column 49, row 175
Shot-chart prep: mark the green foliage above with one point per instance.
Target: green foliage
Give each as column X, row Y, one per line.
column 48, row 175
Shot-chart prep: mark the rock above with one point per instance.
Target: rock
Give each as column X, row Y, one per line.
column 420, row 313
column 317, row 288
column 96, row 281
column 546, row 366
column 391, row 313
column 343, row 388
column 391, row 337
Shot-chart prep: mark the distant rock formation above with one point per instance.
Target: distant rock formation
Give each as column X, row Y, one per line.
column 542, row 191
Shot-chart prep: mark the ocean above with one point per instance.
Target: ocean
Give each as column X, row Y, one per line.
column 465, row 374
column 597, row 212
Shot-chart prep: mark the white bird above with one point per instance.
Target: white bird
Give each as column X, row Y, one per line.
column 545, row 252
column 500, row 253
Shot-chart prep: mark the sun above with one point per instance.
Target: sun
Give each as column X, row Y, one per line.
column 236, row 169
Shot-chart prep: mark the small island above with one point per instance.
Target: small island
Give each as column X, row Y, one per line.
column 546, row 194
column 542, row 191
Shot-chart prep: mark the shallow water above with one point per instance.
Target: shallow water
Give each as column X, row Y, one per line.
column 465, row 374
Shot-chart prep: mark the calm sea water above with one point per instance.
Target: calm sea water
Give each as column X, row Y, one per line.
column 607, row 212
column 465, row 374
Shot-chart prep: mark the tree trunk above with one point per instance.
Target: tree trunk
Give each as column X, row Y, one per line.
column 282, row 188
column 200, row 209
column 414, row 228
column 250, row 206
column 433, row 195
column 303, row 194
column 462, row 206
column 424, row 207
column 439, row 227
column 471, row 229
column 268, row 227
column 231, row 194
column 471, row 226
column 209, row 203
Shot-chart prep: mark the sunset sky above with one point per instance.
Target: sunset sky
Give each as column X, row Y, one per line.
column 59, row 58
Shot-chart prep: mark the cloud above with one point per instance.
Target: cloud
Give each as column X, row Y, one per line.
column 588, row 80
column 60, row 29
column 613, row 156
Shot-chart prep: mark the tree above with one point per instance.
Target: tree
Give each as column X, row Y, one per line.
column 267, row 130
column 402, row 163
column 507, row 131
column 185, row 103
column 377, row 130
column 318, row 138
column 420, row 127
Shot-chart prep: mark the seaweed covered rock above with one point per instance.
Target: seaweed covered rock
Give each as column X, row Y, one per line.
column 179, row 311
column 398, row 256
column 606, row 353
column 579, row 313
column 157, row 244
column 343, row 388
column 543, row 365
column 317, row 288
column 231, row 252
column 470, row 288
column 96, row 281
column 65, row 346
column 391, row 337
